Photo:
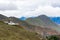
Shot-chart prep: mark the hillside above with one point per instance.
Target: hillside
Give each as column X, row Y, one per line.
column 2, row 17
column 8, row 32
column 43, row 21
column 47, row 20
column 35, row 21
column 37, row 25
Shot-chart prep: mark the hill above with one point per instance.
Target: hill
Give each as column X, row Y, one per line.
column 8, row 32
column 2, row 17
column 47, row 20
column 37, row 25
column 43, row 21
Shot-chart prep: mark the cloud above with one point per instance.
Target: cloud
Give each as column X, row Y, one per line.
column 30, row 8
column 8, row 7
column 48, row 10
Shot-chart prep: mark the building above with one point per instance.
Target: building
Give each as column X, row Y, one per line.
column 11, row 23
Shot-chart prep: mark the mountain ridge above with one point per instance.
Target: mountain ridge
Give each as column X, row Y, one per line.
column 30, row 27
column 43, row 21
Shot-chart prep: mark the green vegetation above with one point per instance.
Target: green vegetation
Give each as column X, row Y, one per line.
column 35, row 21
column 8, row 32
column 53, row 37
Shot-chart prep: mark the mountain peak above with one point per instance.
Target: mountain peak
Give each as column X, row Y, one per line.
column 2, row 17
column 42, row 16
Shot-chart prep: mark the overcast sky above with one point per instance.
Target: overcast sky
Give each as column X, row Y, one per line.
column 28, row 8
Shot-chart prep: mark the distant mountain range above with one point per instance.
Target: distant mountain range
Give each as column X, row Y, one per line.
column 23, row 18
column 43, row 21
column 55, row 19
column 41, row 24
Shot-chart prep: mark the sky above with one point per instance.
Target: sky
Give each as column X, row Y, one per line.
column 30, row 8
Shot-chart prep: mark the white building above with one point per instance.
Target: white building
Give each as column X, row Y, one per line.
column 11, row 23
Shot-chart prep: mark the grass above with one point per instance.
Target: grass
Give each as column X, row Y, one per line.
column 8, row 32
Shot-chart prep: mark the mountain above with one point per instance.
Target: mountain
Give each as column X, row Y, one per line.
column 14, row 19
column 31, row 27
column 43, row 21
column 2, row 17
column 8, row 32
column 35, row 21
column 5, row 18
column 23, row 18
column 55, row 19
column 37, row 25
column 47, row 20
column 17, row 32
